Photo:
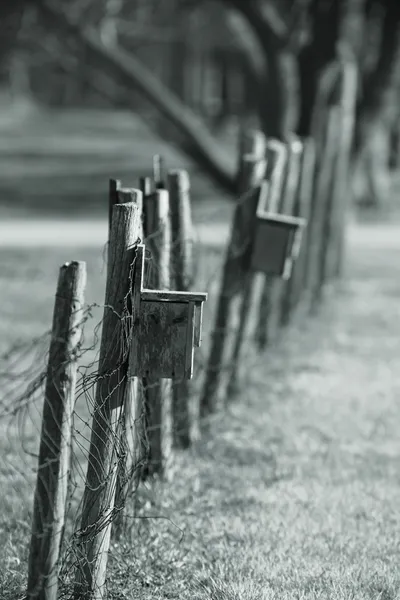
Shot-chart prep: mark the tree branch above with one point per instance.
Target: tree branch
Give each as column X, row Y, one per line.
column 116, row 61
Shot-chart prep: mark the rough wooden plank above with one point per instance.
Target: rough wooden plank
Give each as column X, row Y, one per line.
column 99, row 496
column 54, row 452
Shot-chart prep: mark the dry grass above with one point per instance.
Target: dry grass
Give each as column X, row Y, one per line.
column 294, row 494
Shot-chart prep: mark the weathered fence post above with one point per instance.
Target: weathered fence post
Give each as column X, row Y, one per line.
column 321, row 208
column 128, row 467
column 296, row 284
column 157, row 393
column 233, row 275
column 290, row 205
column 329, row 235
column 158, row 172
column 276, row 165
column 55, row 443
column 184, row 419
column 93, row 538
column 113, row 186
column 250, row 166
column 341, row 187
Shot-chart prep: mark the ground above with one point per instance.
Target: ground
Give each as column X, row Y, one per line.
column 295, row 492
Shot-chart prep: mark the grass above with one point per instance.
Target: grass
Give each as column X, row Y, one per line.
column 295, row 492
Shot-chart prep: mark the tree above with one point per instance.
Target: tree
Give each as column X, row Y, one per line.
column 289, row 47
column 10, row 24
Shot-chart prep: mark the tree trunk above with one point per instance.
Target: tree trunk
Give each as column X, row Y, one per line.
column 378, row 112
column 316, row 56
column 200, row 144
column 273, row 66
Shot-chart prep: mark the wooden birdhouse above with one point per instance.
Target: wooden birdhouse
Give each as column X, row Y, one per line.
column 277, row 242
column 166, row 329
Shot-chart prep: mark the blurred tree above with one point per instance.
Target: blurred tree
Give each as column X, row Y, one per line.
column 293, row 54
column 378, row 108
column 10, row 24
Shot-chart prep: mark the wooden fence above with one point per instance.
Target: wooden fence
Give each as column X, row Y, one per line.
column 284, row 249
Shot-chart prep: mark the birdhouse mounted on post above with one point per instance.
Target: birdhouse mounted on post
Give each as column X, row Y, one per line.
column 277, row 240
column 166, row 328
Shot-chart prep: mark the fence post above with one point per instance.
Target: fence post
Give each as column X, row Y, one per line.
column 248, row 305
column 158, row 393
column 184, row 420
column 276, row 170
column 93, row 539
column 329, row 235
column 296, row 284
column 113, row 186
column 55, row 443
column 158, row 172
column 341, row 188
column 291, row 206
column 233, row 276
column 128, row 467
column 321, row 208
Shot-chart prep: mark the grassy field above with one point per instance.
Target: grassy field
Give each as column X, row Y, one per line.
column 294, row 494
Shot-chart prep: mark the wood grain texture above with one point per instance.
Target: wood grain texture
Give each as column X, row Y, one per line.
column 322, row 208
column 54, row 452
column 99, row 494
column 341, row 191
column 276, row 172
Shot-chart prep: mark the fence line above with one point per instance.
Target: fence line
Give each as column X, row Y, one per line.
column 100, row 488
column 145, row 404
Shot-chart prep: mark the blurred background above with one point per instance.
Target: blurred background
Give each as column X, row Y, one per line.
column 91, row 89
